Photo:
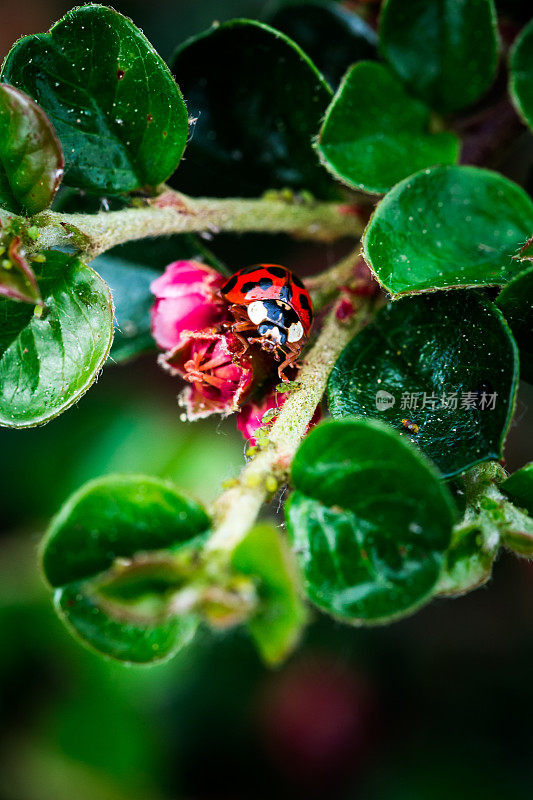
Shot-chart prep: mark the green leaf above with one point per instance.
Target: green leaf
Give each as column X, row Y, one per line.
column 277, row 626
column 435, row 362
column 129, row 283
column 519, row 487
column 125, row 641
column 446, row 52
column 448, row 226
column 129, row 270
column 468, row 562
column 116, row 516
column 375, row 134
column 370, row 521
column 332, row 36
column 47, row 362
column 117, row 111
column 516, row 303
column 259, row 101
column 521, row 74
column 31, row 161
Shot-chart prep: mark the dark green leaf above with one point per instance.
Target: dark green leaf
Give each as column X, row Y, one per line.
column 129, row 270
column 445, row 51
column 375, row 134
column 332, row 36
column 516, row 302
column 448, row 226
column 370, row 521
column 31, row 161
column 521, row 74
column 125, row 641
column 445, row 363
column 116, row 516
column 277, row 626
column 117, row 111
column 519, row 487
column 47, row 362
column 259, row 101
column 130, row 289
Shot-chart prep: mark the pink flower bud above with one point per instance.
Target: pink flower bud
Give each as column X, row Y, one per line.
column 220, row 378
column 186, row 300
column 252, row 414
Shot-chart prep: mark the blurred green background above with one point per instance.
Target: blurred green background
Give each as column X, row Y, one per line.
column 436, row 707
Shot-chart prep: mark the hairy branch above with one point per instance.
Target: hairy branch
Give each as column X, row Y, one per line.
column 172, row 213
column 236, row 509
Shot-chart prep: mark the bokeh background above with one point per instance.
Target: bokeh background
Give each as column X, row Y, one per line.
column 438, row 706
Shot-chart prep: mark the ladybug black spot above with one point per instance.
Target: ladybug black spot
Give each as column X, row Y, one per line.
column 304, row 302
column 279, row 272
column 265, row 283
column 298, row 281
column 248, row 286
column 231, row 284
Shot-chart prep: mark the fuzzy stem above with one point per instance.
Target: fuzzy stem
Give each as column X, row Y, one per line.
column 172, row 213
column 236, row 509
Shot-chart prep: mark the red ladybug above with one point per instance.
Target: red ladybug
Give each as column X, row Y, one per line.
column 272, row 302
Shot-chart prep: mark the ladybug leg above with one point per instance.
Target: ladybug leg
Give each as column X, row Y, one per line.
column 289, row 360
column 238, row 314
column 237, row 329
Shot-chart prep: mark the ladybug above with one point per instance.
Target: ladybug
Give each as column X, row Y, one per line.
column 268, row 300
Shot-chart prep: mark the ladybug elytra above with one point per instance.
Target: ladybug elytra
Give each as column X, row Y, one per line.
column 268, row 300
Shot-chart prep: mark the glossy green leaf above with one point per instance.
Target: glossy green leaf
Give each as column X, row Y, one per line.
column 47, row 362
column 448, row 226
column 370, row 521
column 375, row 134
column 125, row 641
column 258, row 101
column 516, row 303
column 445, row 51
column 116, row 516
column 519, row 487
column 331, row 35
column 521, row 74
column 129, row 270
column 115, row 107
column 445, row 363
column 277, row 626
column 31, row 161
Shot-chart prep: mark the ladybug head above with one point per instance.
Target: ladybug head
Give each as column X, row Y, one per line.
column 272, row 336
column 277, row 323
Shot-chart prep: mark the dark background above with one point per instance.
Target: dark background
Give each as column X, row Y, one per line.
column 438, row 706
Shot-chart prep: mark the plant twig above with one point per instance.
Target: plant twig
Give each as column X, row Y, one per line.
column 172, row 213
column 236, row 509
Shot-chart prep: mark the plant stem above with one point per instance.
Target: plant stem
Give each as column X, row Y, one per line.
column 236, row 509
column 173, row 213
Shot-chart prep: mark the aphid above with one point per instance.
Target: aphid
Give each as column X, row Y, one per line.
column 271, row 307
column 411, row 426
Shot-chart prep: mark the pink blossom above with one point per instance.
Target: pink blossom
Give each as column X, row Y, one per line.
column 251, row 415
column 186, row 300
column 220, row 376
